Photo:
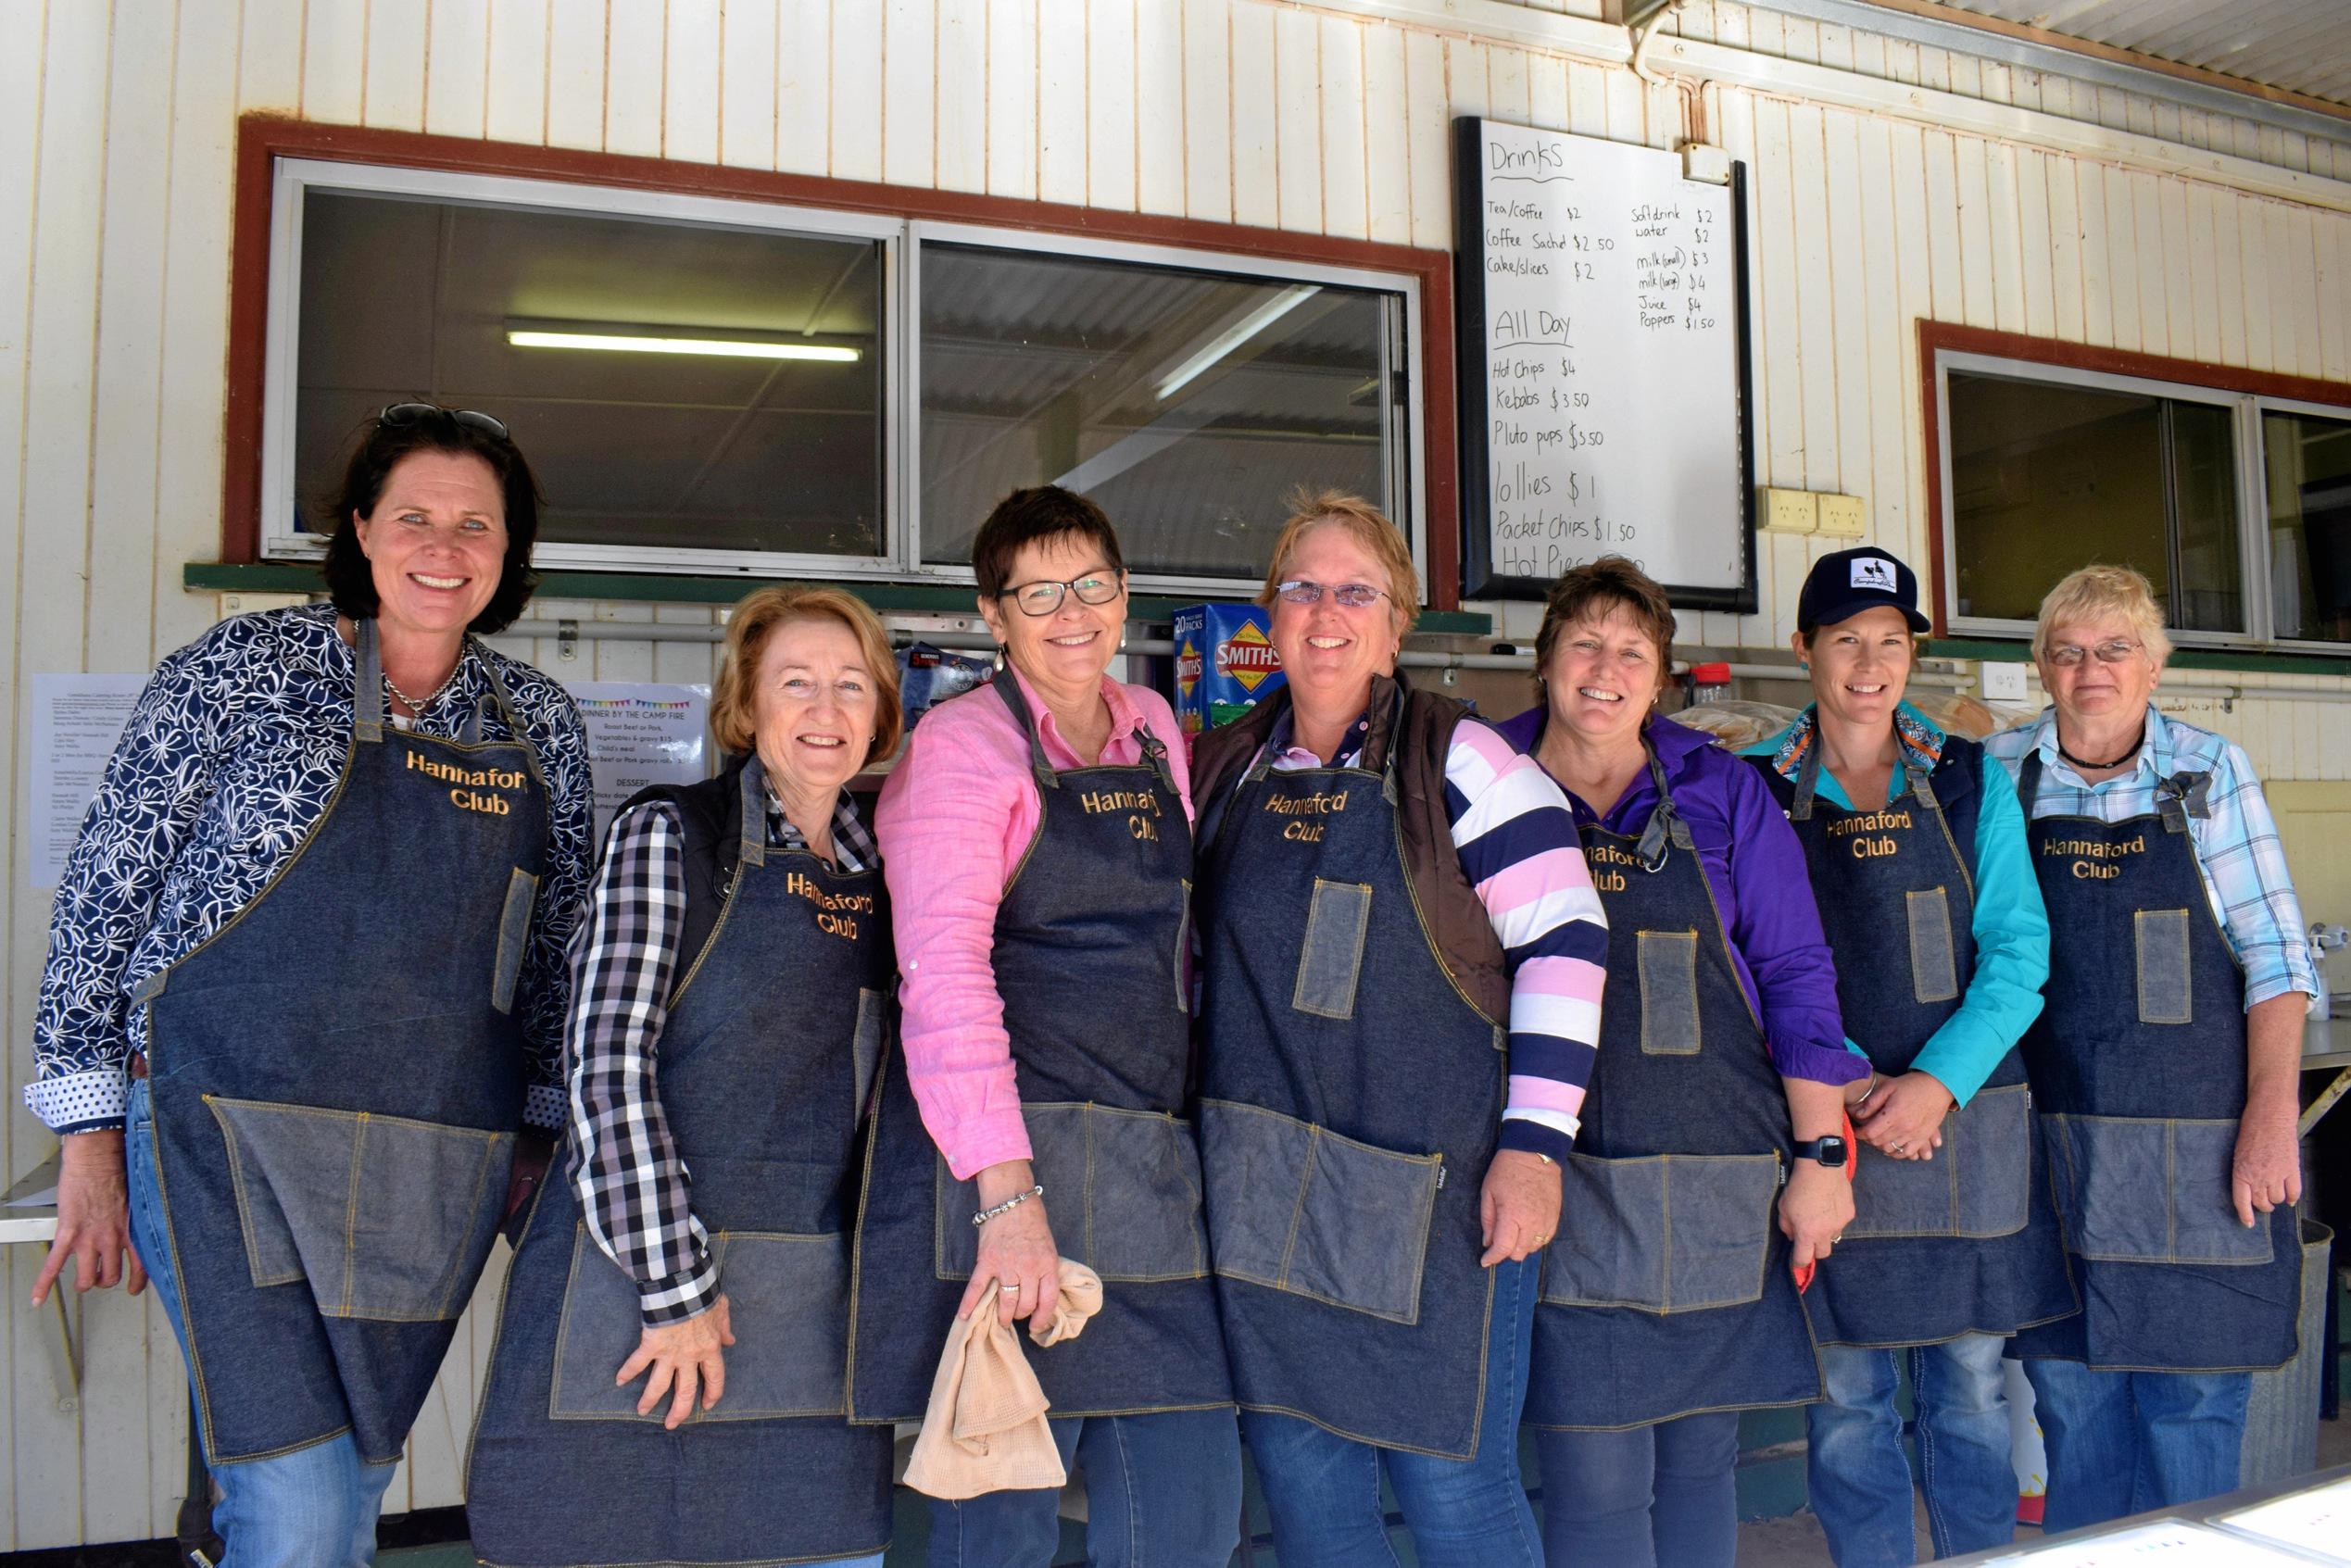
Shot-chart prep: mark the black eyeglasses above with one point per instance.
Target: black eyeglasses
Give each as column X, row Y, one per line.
column 400, row 415
column 1044, row 598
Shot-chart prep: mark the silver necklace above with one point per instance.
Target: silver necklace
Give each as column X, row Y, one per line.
column 414, row 706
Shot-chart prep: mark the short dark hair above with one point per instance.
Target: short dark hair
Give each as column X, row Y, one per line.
column 379, row 449
column 1024, row 517
column 1595, row 588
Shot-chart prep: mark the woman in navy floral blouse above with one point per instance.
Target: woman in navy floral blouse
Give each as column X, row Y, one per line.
column 309, row 949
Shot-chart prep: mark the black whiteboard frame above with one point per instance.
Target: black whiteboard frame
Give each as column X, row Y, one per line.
column 1478, row 580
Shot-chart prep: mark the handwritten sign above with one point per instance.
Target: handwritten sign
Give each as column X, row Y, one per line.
column 1602, row 366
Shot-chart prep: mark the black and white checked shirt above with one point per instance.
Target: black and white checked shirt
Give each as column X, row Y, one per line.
column 633, row 1187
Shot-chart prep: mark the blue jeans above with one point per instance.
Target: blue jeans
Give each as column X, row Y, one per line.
column 2124, row 1442
column 312, row 1508
column 1162, row 1490
column 1661, row 1494
column 1859, row 1478
column 1322, row 1490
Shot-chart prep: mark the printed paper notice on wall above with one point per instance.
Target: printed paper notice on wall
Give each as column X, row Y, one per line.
column 76, row 721
column 641, row 734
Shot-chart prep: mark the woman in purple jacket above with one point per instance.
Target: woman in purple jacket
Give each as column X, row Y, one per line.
column 1720, row 1046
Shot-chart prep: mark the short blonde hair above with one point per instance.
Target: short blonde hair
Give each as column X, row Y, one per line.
column 733, row 696
column 2097, row 592
column 1370, row 528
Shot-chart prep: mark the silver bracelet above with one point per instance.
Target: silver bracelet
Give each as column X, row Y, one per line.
column 1009, row 1204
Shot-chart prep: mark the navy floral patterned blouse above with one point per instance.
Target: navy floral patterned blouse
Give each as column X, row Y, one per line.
column 225, row 766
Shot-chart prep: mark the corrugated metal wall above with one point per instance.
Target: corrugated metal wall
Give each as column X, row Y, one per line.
column 116, row 128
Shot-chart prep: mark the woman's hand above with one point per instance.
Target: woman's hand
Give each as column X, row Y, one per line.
column 94, row 1219
column 1814, row 1210
column 1016, row 1250
column 2266, row 1174
column 682, row 1355
column 1518, row 1207
column 1902, row 1117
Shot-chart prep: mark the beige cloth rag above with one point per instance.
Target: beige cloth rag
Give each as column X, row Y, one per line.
column 984, row 1428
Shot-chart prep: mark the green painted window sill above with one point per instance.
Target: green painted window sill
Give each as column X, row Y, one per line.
column 276, row 577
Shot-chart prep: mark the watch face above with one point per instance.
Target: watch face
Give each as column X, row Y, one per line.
column 1832, row 1151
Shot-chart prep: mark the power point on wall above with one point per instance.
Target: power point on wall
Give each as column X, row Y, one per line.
column 1700, row 161
column 1843, row 517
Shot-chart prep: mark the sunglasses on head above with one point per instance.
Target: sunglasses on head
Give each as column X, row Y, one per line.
column 400, row 415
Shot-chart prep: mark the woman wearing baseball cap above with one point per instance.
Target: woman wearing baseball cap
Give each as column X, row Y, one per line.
column 1918, row 857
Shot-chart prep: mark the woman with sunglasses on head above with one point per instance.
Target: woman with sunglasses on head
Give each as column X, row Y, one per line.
column 1706, row 1179
column 1917, row 853
column 309, row 950
column 2164, row 1065
column 1038, row 842
column 1400, row 1001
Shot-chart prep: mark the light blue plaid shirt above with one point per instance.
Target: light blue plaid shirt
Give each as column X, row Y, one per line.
column 2237, row 847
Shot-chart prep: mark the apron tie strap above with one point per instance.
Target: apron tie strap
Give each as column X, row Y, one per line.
column 1665, row 823
column 2183, row 796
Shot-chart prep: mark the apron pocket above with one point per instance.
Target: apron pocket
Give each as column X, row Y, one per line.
column 1668, row 1232
column 1934, row 972
column 1977, row 1185
column 1299, row 1209
column 788, row 1301
column 385, row 1217
column 2149, row 1190
column 2161, row 937
column 873, row 1009
column 1668, row 964
column 1122, row 1188
column 1332, row 957
column 514, row 936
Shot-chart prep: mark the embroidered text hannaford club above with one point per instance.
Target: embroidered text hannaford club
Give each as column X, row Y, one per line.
column 1319, row 804
column 1142, row 806
column 2089, row 852
column 469, row 783
column 837, row 912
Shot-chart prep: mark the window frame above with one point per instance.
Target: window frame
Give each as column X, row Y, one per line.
column 280, row 161
column 2248, row 395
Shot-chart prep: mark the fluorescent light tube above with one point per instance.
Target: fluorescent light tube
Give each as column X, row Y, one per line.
column 1232, row 337
column 729, row 348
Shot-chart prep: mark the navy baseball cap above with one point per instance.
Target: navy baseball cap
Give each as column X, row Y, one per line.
column 1841, row 587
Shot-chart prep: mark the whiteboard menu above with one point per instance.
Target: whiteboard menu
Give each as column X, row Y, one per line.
column 1604, row 366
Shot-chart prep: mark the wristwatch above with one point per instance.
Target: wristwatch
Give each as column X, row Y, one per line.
column 1828, row 1152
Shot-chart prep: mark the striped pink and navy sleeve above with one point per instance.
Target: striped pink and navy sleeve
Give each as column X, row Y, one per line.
column 1518, row 844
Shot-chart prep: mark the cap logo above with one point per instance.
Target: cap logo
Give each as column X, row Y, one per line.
column 1874, row 572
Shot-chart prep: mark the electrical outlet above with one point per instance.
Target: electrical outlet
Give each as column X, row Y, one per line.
column 1791, row 511
column 1843, row 517
column 1702, row 162
column 2003, row 681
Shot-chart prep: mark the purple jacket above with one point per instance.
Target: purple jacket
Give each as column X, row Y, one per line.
column 1756, row 870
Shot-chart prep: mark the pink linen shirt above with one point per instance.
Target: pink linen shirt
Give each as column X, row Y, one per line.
column 956, row 816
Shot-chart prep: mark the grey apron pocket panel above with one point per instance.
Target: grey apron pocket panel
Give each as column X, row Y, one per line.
column 514, row 936
column 1122, row 1189
column 1670, row 1233
column 1977, row 1185
column 2150, row 1190
column 2164, row 994
column 1332, row 957
column 1299, row 1209
column 788, row 1301
column 385, row 1217
column 873, row 1009
column 1668, row 964
column 1934, row 969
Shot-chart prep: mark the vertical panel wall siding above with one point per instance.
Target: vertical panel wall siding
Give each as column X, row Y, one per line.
column 117, row 123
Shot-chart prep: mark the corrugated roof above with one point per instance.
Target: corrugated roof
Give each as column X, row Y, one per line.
column 2301, row 46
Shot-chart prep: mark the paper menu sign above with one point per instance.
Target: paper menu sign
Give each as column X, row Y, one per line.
column 642, row 733
column 2317, row 1521
column 76, row 721
column 2163, row 1544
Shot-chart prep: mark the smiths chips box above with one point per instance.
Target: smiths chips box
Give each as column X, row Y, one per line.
column 1223, row 664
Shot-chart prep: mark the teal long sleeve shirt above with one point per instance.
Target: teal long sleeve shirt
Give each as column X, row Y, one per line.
column 2011, row 929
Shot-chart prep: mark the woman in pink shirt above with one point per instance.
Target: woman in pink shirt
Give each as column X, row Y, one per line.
column 1037, row 838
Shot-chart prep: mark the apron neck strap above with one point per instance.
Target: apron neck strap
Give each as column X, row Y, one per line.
column 750, row 848
column 1666, row 825
column 1905, row 778
column 1156, row 753
column 1008, row 686
column 2183, row 795
column 1807, row 779
column 366, row 688
column 1922, row 787
column 2029, row 781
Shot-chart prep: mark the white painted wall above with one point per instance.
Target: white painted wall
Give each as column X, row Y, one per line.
column 1889, row 180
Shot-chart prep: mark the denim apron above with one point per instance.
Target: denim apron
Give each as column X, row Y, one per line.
column 338, row 1079
column 2138, row 1066
column 1349, row 1100
column 1091, row 940
column 1667, row 1289
column 767, row 1063
column 1965, row 1242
